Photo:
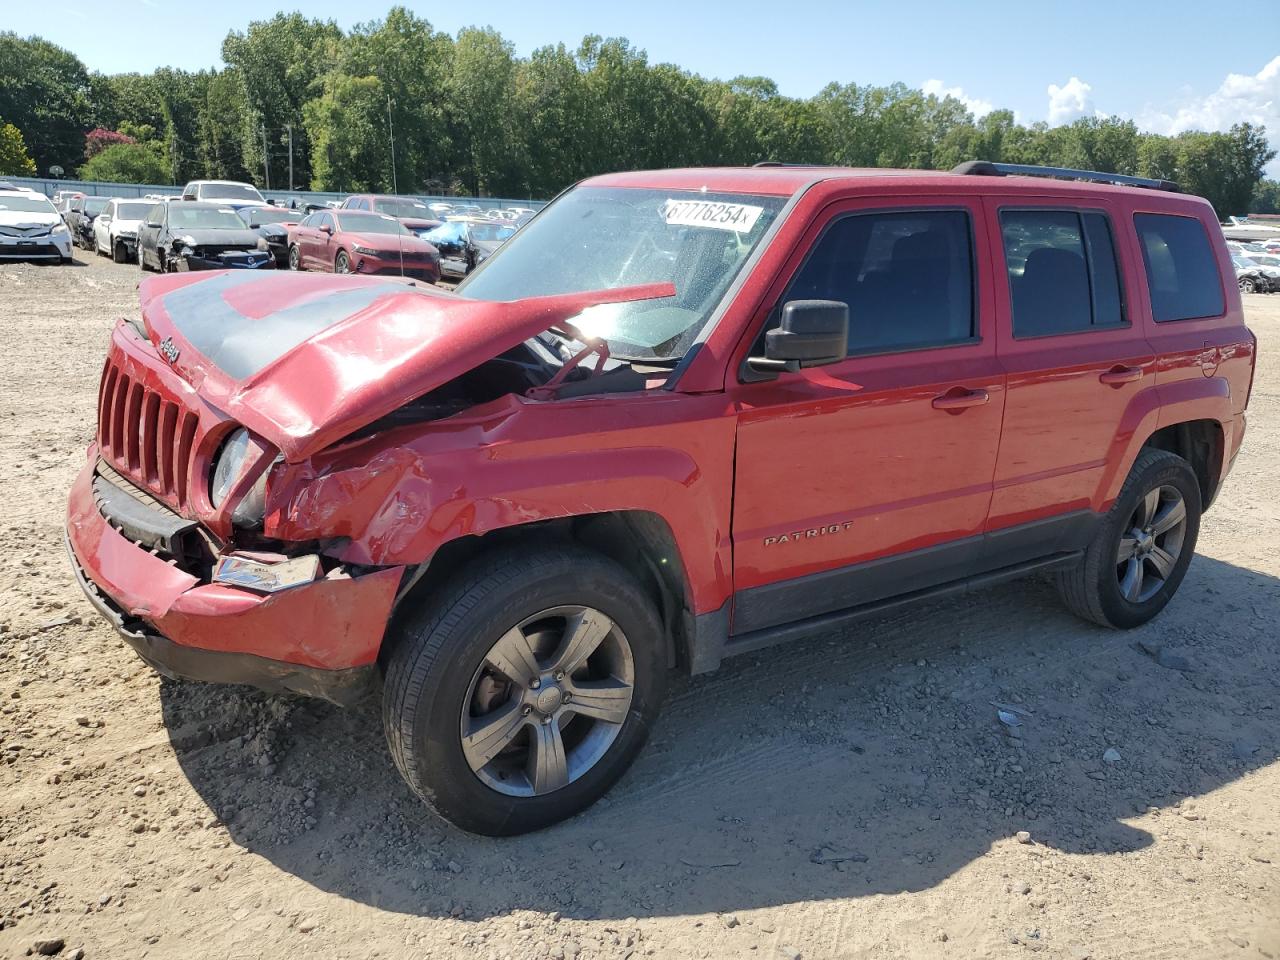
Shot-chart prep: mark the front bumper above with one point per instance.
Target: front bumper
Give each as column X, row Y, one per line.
column 425, row 270
column 247, row 260
column 47, row 247
column 320, row 640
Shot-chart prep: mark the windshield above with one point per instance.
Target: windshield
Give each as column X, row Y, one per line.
column 599, row 238
column 267, row 215
column 230, row 191
column 1268, row 261
column 491, row 231
column 31, row 203
column 369, row 223
column 132, row 211
column 184, row 217
column 402, row 208
column 95, row 205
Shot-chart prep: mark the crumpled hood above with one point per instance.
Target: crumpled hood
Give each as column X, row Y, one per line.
column 305, row 359
column 20, row 218
column 219, row 238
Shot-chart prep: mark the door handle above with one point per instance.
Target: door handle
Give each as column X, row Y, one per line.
column 958, row 398
column 1118, row 375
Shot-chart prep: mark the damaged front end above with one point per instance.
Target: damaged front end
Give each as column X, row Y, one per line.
column 210, row 411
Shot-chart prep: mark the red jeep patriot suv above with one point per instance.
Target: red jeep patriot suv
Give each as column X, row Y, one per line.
column 680, row 415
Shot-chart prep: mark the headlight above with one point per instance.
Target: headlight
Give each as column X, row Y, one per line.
column 60, row 228
column 366, row 251
column 231, row 459
column 262, row 244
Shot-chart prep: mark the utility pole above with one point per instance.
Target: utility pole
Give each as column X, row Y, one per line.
column 289, row 127
column 266, row 167
column 391, row 130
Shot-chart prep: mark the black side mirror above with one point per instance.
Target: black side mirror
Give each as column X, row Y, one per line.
column 812, row 333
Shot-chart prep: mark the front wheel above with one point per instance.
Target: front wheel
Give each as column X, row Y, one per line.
column 1247, row 285
column 342, row 264
column 119, row 253
column 294, row 257
column 521, row 694
column 1138, row 557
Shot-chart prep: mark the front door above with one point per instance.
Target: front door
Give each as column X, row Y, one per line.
column 872, row 477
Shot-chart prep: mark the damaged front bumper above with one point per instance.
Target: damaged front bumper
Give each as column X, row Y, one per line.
column 229, row 260
column 320, row 639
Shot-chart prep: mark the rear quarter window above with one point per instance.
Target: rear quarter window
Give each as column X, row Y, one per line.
column 1182, row 271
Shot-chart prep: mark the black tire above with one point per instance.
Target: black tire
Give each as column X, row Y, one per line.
column 295, row 261
column 119, row 254
column 342, row 263
column 142, row 260
column 1247, row 285
column 436, row 651
column 1092, row 589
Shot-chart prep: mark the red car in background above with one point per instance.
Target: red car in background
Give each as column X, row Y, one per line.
column 349, row 241
column 414, row 214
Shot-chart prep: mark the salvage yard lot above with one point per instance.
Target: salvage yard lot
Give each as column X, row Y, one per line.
column 850, row 796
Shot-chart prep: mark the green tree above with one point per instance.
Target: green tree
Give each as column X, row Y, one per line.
column 14, row 159
column 44, row 91
column 126, row 163
column 346, row 128
column 1266, row 197
column 479, row 92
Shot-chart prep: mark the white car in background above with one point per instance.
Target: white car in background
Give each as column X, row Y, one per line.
column 228, row 193
column 31, row 228
column 115, row 230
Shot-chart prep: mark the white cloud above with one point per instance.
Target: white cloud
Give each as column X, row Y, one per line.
column 1068, row 102
column 979, row 108
column 1252, row 98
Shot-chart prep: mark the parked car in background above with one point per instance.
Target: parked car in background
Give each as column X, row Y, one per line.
column 115, row 229
column 31, row 228
column 439, row 208
column 1270, row 269
column 414, row 214
column 356, row 241
column 80, row 217
column 198, row 236
column 1252, row 277
column 465, row 242
column 228, row 193
column 272, row 225
column 62, row 201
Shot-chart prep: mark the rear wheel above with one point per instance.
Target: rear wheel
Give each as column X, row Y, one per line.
column 1143, row 547
column 343, row 263
column 525, row 690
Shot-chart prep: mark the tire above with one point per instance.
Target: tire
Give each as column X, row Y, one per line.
column 142, row 260
column 342, row 262
column 440, row 657
column 1247, row 285
column 295, row 262
column 1103, row 587
column 119, row 254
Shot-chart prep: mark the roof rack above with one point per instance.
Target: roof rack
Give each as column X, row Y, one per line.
column 985, row 168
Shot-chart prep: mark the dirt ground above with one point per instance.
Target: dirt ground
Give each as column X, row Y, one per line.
column 852, row 796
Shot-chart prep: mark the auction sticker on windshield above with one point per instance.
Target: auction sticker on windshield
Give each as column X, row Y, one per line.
column 739, row 217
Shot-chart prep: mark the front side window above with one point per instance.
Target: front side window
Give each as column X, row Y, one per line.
column 907, row 277
column 156, row 216
column 1063, row 275
column 601, row 238
column 1182, row 273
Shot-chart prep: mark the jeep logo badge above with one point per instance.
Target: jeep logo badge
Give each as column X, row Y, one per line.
column 169, row 349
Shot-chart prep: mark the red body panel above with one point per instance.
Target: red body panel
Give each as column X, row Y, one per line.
column 758, row 482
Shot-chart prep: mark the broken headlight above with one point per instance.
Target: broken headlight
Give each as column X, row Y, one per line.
column 231, row 461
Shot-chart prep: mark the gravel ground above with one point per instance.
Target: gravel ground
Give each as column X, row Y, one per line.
column 851, row 796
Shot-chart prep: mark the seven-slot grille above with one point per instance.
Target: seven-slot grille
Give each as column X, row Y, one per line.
column 146, row 436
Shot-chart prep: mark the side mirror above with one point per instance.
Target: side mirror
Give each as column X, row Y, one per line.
column 326, row 228
column 812, row 333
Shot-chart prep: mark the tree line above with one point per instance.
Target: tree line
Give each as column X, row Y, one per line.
column 395, row 103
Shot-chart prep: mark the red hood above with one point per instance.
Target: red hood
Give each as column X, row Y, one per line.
column 305, row 359
column 387, row 243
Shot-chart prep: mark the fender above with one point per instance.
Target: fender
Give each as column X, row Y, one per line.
column 1204, row 398
column 397, row 497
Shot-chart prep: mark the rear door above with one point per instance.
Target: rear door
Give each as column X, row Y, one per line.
column 872, row 477
column 1076, row 356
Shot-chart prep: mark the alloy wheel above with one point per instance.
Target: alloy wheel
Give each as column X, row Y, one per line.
column 1151, row 544
column 548, row 701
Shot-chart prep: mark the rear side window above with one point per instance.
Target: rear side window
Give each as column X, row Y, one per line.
column 907, row 277
column 1063, row 275
column 1182, row 272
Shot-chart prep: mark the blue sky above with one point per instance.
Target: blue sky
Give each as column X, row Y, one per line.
column 1186, row 64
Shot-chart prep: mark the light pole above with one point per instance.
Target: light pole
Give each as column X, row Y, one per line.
column 391, row 130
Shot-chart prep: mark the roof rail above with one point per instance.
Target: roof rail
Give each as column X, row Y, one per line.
column 985, row 168
column 781, row 163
